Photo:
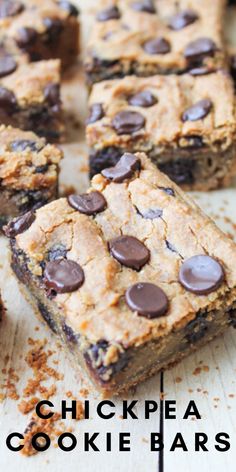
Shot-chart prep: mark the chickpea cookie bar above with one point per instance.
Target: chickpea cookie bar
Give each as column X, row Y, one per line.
column 28, row 172
column 149, row 37
column 186, row 125
column 41, row 29
column 132, row 275
column 30, row 99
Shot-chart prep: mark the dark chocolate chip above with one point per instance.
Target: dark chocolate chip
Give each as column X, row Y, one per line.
column 182, row 19
column 96, row 113
column 124, row 169
column 47, row 317
column 180, row 170
column 41, row 169
column 201, row 275
column 19, row 225
column 198, row 111
column 128, row 122
column 88, row 203
column 168, row 190
column 233, row 66
column 22, row 144
column 157, row 46
column 70, row 335
column 52, row 94
column 201, row 70
column 10, row 8
column 111, row 13
column 68, row 7
column 151, row 214
column 146, row 6
column 232, row 317
column 196, row 329
column 7, row 65
column 57, row 252
column 200, row 48
column 54, row 27
column 170, row 247
column 63, row 276
column 129, row 251
column 26, row 37
column 193, row 142
column 147, row 299
column 7, row 100
column 143, row 99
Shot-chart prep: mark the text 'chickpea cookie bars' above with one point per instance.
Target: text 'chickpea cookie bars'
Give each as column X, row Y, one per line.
column 186, row 125
column 132, row 275
column 148, row 37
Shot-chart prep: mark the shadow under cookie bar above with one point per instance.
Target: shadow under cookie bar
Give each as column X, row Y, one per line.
column 108, row 271
column 153, row 37
column 29, row 171
column 178, row 121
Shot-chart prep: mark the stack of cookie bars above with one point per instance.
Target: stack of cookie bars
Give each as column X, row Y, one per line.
column 132, row 275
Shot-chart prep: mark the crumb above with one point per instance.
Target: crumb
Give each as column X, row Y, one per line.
column 197, row 371
column 178, row 379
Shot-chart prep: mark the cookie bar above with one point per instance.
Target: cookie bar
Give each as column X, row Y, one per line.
column 28, row 172
column 132, row 275
column 41, row 29
column 185, row 124
column 148, row 37
column 30, row 99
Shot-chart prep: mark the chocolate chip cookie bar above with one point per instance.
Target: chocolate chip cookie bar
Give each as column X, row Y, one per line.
column 41, row 29
column 148, row 37
column 131, row 275
column 30, row 99
column 185, row 124
column 28, row 172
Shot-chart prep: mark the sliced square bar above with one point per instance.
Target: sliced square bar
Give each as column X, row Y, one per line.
column 30, row 99
column 28, row 172
column 186, row 125
column 149, row 37
column 42, row 29
column 132, row 275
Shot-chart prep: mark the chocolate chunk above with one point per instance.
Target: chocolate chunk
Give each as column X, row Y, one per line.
column 69, row 7
column 54, row 27
column 201, row 275
column 7, row 64
column 96, row 113
column 26, row 37
column 124, row 169
column 147, row 299
column 129, row 251
column 111, row 13
column 128, row 122
column 10, row 8
column 63, row 276
column 182, row 19
column 146, row 6
column 52, row 94
column 19, row 225
column 58, row 251
column 22, row 144
column 168, row 190
column 157, row 46
column 151, row 214
column 7, row 100
column 199, row 49
column 198, row 111
column 143, row 99
column 88, row 203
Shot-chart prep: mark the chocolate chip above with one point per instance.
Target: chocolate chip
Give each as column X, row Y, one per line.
column 22, row 144
column 198, row 111
column 143, row 99
column 52, row 94
column 128, row 122
column 124, row 169
column 96, row 113
column 7, row 65
column 192, row 142
column 170, row 247
column 196, row 329
column 147, row 299
column 129, row 251
column 88, row 203
column 10, row 8
column 151, row 214
column 70, row 335
column 201, row 275
column 182, row 19
column 144, row 5
column 68, row 7
column 111, row 13
column 58, row 251
column 41, row 169
column 157, row 46
column 201, row 70
column 168, row 190
column 54, row 27
column 63, row 276
column 26, row 37
column 180, row 170
column 19, row 225
column 47, row 317
column 199, row 49
column 7, row 100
